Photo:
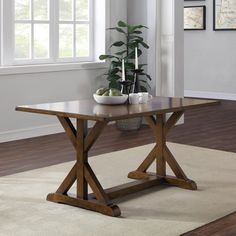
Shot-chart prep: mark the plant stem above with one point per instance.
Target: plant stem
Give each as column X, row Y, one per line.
column 127, row 47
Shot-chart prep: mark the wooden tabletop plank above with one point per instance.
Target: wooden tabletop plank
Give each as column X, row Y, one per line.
column 90, row 110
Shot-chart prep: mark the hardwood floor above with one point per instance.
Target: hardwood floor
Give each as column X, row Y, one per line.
column 49, row 150
column 211, row 127
column 225, row 226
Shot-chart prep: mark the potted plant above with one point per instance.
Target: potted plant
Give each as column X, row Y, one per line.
column 126, row 50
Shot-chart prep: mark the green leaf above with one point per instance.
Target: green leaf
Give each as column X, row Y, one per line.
column 136, row 37
column 129, row 65
column 114, row 84
column 133, row 45
column 132, row 54
column 114, row 71
column 130, row 29
column 144, row 45
column 143, row 89
column 143, row 81
column 137, row 32
column 140, row 27
column 133, row 28
column 113, row 77
column 130, row 77
column 116, row 63
column 142, row 65
column 121, row 53
column 118, row 29
column 138, row 41
column 118, row 44
column 104, row 57
column 122, row 24
column 148, row 76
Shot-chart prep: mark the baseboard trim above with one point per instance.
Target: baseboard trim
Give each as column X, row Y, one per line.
column 212, row 95
column 32, row 132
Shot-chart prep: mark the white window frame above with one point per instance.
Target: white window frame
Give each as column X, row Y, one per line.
column 8, row 36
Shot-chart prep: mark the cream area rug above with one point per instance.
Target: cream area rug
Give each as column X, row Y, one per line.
column 160, row 211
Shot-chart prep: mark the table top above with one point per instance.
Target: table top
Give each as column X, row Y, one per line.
column 90, row 110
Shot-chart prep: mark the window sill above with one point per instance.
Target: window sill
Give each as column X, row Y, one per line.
column 43, row 68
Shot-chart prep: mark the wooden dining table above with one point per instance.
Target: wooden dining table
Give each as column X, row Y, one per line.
column 160, row 113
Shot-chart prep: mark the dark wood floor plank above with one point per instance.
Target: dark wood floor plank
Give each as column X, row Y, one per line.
column 225, row 226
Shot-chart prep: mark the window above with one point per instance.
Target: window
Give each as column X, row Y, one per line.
column 74, row 29
column 47, row 31
column 31, row 29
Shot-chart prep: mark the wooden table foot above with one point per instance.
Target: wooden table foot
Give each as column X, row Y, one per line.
column 170, row 180
column 181, row 183
column 93, row 205
column 138, row 175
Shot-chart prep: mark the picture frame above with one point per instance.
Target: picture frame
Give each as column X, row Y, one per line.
column 195, row 17
column 224, row 15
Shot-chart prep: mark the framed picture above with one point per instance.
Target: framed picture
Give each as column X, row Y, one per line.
column 224, row 15
column 195, row 18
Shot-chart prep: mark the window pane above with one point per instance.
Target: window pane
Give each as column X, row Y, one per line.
column 22, row 10
column 66, row 9
column 22, row 41
column 82, row 40
column 41, row 10
column 65, row 40
column 41, row 41
column 82, row 9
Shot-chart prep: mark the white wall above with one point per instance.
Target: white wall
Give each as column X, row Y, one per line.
column 136, row 10
column 19, row 89
column 40, row 88
column 172, row 48
column 165, row 37
column 137, row 14
column 210, row 64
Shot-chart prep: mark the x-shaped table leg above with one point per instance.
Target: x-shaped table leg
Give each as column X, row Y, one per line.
column 82, row 173
column 162, row 155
